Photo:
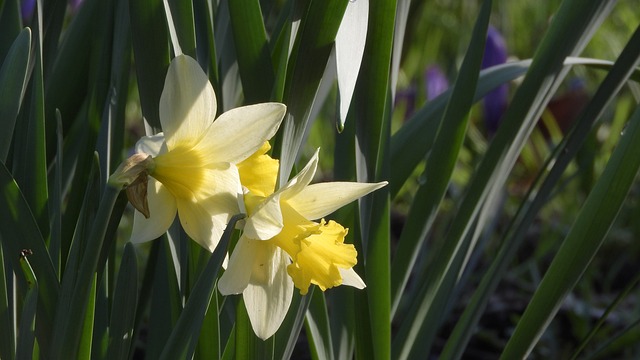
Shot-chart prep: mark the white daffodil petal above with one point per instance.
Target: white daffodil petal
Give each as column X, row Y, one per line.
column 318, row 200
column 351, row 278
column 152, row 145
column 187, row 104
column 237, row 276
column 268, row 295
column 302, row 179
column 162, row 206
column 239, row 132
column 266, row 222
column 205, row 217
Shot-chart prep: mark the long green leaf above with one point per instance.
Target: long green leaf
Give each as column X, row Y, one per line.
column 13, row 75
column 29, row 152
column 287, row 335
column 183, row 24
column 25, row 346
column 151, row 50
column 125, row 301
column 254, row 59
column 20, row 231
column 572, row 27
column 7, row 342
column 26, row 334
column 443, row 157
column 373, row 131
column 317, row 325
column 581, row 244
column 166, row 302
column 307, row 63
column 68, row 330
column 10, row 24
column 56, row 201
column 67, row 73
column 88, row 322
column 247, row 345
column 206, row 48
column 540, row 192
column 183, row 339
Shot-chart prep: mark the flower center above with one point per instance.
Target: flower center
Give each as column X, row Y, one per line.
column 182, row 171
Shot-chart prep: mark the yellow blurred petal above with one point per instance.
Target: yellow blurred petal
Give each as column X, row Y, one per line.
column 187, row 103
column 162, row 207
column 320, row 258
column 318, row 200
column 259, row 172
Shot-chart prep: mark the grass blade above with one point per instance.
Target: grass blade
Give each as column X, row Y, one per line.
column 252, row 50
column 29, row 151
column 307, row 63
column 7, row 327
column 69, row 328
column 539, row 194
column 572, row 27
column 317, row 326
column 125, row 301
column 13, row 76
column 20, row 231
column 151, row 51
column 372, row 132
column 442, row 158
column 183, row 23
column 26, row 337
column 582, row 242
column 166, row 302
column 183, row 339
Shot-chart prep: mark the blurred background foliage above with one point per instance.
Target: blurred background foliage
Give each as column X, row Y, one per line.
column 437, row 35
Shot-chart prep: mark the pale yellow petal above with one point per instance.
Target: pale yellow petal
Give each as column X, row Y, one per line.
column 301, row 180
column 239, row 132
column 187, row 103
column 162, row 210
column 151, row 145
column 318, row 200
column 205, row 216
column 236, row 278
column 351, row 278
column 265, row 221
column 268, row 295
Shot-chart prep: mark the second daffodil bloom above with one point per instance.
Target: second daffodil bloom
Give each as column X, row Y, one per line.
column 282, row 246
column 191, row 166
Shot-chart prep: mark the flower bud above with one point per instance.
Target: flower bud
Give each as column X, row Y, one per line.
column 132, row 174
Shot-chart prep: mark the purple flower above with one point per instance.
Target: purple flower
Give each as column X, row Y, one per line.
column 27, row 7
column 436, row 82
column 75, row 5
column 495, row 102
column 408, row 97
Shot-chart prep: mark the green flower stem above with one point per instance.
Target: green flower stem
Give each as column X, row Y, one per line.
column 69, row 327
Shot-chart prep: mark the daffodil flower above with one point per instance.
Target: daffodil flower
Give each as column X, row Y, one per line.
column 191, row 166
column 282, row 247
